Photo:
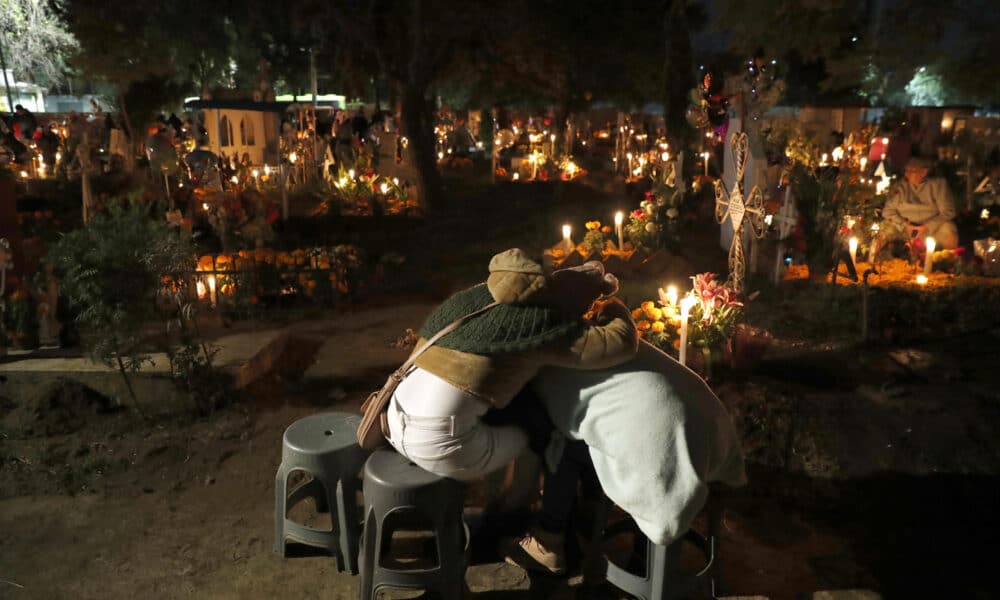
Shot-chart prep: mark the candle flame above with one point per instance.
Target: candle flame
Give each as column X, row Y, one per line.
column 619, row 217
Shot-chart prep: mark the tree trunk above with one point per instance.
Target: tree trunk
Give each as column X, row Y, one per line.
column 676, row 74
column 129, row 131
column 418, row 119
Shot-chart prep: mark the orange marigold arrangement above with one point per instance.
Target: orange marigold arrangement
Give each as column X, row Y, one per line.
column 712, row 320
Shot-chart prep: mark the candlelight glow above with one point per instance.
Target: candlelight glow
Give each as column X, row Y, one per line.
column 985, row 214
column 672, row 295
column 619, row 217
column 686, row 304
column 567, row 230
column 293, row 157
column 201, row 290
column 921, row 279
column 384, row 187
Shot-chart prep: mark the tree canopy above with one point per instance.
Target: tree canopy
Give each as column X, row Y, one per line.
column 36, row 41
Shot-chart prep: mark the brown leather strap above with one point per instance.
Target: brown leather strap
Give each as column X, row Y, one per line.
column 401, row 371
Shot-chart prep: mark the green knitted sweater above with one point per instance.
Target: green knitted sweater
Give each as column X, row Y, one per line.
column 503, row 328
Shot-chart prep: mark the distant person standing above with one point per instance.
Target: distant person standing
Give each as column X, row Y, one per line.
column 359, row 124
column 26, row 119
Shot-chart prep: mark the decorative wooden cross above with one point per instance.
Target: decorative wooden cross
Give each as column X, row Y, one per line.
column 785, row 219
column 739, row 208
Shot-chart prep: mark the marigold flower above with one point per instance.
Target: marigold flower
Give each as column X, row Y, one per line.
column 652, row 313
column 658, row 327
column 648, row 304
column 643, row 325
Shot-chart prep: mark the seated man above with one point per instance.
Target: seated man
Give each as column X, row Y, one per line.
column 921, row 207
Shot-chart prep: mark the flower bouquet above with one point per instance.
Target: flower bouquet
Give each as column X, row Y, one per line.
column 712, row 321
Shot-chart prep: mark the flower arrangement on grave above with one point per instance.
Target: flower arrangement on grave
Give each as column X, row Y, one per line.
column 712, row 320
column 38, row 224
column 833, row 206
column 597, row 239
column 656, row 222
column 365, row 192
column 310, row 272
column 570, row 170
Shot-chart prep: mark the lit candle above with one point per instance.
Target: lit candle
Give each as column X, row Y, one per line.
column 672, row 295
column 852, row 246
column 921, row 280
column 256, row 177
column 686, row 305
column 619, row 217
column 929, row 243
column 864, row 162
column 553, row 139
column 567, row 240
column 873, row 247
column 705, row 156
column 516, row 176
column 200, row 285
column 211, row 289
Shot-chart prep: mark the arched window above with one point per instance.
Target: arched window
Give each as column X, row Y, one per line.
column 246, row 132
column 225, row 132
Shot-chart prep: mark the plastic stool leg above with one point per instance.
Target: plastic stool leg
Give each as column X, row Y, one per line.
column 280, row 498
column 368, row 557
column 347, row 525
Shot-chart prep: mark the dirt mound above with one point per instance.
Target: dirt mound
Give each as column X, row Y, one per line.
column 62, row 407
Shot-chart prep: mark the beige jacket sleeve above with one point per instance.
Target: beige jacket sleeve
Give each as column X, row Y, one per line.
column 601, row 346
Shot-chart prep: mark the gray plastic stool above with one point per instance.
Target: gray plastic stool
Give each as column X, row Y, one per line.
column 326, row 447
column 662, row 579
column 395, row 487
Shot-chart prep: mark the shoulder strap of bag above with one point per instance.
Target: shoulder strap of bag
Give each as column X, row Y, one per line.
column 440, row 334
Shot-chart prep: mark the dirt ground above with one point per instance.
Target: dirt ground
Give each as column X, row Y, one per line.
column 868, row 469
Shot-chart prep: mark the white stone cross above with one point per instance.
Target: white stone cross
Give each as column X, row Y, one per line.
column 739, row 208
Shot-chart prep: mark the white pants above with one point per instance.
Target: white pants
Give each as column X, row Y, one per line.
column 457, row 445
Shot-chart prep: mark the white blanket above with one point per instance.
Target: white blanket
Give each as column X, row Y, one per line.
column 657, row 435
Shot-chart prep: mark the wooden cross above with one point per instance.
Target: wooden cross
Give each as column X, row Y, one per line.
column 739, row 208
column 786, row 219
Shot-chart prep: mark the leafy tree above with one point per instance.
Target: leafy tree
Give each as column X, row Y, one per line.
column 874, row 50
column 111, row 271
column 35, row 40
